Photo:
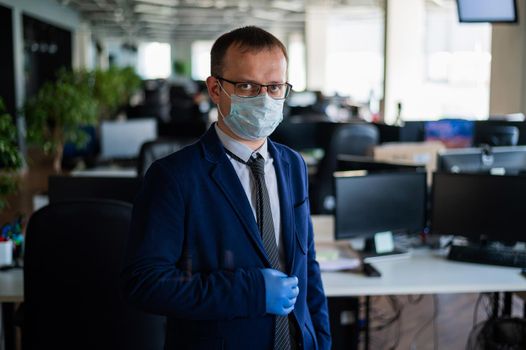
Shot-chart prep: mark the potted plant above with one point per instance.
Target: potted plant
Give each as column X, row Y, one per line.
column 10, row 159
column 55, row 115
column 10, row 162
column 113, row 89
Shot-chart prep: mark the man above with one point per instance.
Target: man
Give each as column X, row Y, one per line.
column 222, row 240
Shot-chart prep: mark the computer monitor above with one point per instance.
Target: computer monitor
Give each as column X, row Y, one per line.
column 496, row 135
column 412, row 131
column 71, row 150
column 123, row 139
column 479, row 206
column 493, row 11
column 301, row 98
column 368, row 204
column 453, row 133
column 496, row 160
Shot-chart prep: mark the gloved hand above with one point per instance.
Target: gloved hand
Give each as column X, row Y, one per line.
column 280, row 292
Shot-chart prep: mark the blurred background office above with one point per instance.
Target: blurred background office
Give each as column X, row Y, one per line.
column 139, row 68
column 93, row 91
column 369, row 60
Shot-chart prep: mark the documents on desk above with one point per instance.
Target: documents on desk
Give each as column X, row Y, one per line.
column 336, row 257
column 339, row 264
column 332, row 256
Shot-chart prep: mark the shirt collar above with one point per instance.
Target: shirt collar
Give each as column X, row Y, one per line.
column 242, row 151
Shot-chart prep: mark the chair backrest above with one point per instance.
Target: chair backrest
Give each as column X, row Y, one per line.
column 355, row 139
column 61, row 188
column 153, row 150
column 348, row 139
column 74, row 253
column 496, row 135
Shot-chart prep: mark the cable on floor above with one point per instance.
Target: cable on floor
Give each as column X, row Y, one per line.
column 388, row 321
column 411, row 299
column 475, row 311
column 426, row 324
column 399, row 328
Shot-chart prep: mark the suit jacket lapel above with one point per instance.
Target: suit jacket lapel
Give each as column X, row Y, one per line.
column 226, row 178
column 282, row 167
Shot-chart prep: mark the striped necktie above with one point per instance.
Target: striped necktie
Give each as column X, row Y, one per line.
column 265, row 223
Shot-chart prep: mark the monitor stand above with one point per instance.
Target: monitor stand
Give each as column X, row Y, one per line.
column 381, row 246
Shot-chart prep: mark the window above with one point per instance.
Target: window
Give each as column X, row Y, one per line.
column 457, row 64
column 355, row 58
column 154, row 60
column 296, row 69
column 201, row 59
column 436, row 66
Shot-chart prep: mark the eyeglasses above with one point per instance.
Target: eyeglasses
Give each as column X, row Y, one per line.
column 248, row 89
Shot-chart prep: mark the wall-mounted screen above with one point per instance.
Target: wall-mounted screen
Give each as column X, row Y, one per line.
column 493, row 11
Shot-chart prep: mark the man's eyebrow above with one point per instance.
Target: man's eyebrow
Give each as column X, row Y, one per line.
column 257, row 82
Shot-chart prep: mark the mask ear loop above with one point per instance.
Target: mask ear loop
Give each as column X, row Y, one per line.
column 226, row 93
column 221, row 86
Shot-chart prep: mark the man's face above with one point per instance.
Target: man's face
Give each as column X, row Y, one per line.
column 262, row 67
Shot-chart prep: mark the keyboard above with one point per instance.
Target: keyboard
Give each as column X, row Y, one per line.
column 502, row 256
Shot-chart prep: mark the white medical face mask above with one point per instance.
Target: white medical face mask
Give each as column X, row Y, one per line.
column 253, row 118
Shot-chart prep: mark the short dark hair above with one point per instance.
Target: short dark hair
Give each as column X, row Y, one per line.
column 250, row 38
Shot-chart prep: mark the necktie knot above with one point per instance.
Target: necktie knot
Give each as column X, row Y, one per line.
column 257, row 165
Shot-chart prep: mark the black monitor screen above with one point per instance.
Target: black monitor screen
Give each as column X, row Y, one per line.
column 487, row 10
column 380, row 202
column 496, row 160
column 475, row 205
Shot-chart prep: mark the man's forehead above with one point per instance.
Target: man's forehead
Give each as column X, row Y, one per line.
column 242, row 50
column 269, row 59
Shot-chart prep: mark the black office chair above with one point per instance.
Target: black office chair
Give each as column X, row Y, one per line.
column 61, row 188
column 153, row 150
column 73, row 257
column 348, row 139
column 496, row 135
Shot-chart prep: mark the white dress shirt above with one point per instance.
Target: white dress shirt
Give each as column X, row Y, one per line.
column 247, row 181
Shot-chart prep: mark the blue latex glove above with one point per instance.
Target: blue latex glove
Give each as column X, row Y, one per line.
column 280, row 292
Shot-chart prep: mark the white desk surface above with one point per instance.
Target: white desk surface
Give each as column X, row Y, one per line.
column 106, row 172
column 424, row 272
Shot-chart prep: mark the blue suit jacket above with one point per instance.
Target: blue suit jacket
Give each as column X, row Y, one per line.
column 195, row 251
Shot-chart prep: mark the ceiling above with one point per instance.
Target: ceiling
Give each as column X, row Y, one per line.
column 168, row 20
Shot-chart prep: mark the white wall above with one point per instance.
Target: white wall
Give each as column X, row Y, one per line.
column 508, row 73
column 45, row 10
column 316, row 45
column 404, row 51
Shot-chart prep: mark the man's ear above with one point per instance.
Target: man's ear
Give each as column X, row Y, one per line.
column 213, row 89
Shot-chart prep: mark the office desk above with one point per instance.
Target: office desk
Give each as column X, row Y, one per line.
column 422, row 272
column 425, row 272
column 108, row 171
column 11, row 292
column 11, row 286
